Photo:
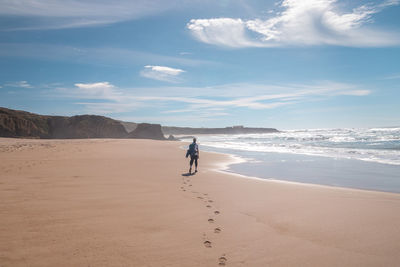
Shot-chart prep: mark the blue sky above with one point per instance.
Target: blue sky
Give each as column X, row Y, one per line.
column 285, row 64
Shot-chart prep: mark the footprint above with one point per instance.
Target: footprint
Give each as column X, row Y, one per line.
column 208, row 206
column 217, row 230
column 207, row 244
column 211, row 220
column 216, row 212
column 200, row 197
column 190, row 185
column 222, row 261
column 210, row 201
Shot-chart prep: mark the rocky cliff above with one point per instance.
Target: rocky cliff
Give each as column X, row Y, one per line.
column 129, row 126
column 147, row 131
column 14, row 123
column 85, row 126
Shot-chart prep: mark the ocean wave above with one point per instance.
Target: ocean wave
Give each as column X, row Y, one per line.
column 375, row 145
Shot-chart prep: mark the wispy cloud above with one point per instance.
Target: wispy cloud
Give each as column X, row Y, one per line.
column 94, row 55
column 105, row 98
column 392, row 77
column 58, row 14
column 173, row 120
column 19, row 84
column 109, row 107
column 311, row 22
column 162, row 73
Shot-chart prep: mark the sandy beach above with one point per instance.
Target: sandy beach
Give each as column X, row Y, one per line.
column 106, row 202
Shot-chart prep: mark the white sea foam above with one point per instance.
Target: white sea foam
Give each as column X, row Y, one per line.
column 380, row 145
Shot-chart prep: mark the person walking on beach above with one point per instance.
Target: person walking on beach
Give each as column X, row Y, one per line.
column 194, row 154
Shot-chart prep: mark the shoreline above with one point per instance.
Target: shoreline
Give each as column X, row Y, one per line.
column 238, row 160
column 118, row 202
column 238, row 167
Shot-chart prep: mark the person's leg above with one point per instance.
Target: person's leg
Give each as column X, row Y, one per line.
column 195, row 163
column 191, row 163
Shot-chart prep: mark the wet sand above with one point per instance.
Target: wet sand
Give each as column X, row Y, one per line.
column 130, row 203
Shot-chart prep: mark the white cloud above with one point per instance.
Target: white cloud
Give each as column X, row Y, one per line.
column 19, row 84
column 166, row 70
column 222, row 31
column 98, row 90
column 311, row 22
column 94, row 86
column 161, row 73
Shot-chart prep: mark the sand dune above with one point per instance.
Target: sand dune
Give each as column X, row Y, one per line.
column 111, row 202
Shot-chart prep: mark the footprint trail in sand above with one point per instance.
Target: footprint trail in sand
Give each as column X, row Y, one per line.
column 209, row 203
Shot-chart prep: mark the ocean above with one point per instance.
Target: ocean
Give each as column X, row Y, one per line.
column 355, row 158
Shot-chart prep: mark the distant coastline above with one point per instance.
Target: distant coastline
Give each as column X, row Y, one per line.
column 227, row 130
column 23, row 124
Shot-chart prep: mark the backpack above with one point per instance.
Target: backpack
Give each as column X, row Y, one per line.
column 192, row 149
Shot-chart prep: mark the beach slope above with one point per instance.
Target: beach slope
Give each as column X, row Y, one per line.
column 105, row 202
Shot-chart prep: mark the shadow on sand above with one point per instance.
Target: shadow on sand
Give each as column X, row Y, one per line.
column 188, row 174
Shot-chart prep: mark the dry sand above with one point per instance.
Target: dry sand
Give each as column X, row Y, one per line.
column 126, row 203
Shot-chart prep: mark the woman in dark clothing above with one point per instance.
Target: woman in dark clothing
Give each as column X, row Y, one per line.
column 194, row 154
